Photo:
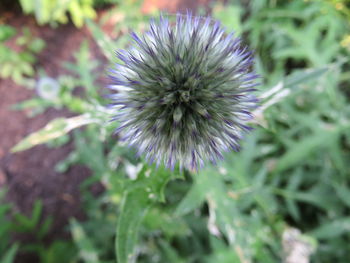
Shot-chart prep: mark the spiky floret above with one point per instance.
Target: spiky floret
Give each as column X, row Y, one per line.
column 183, row 92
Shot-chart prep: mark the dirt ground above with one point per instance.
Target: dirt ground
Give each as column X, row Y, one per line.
column 29, row 175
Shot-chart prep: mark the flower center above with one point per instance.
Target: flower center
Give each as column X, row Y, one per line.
column 184, row 95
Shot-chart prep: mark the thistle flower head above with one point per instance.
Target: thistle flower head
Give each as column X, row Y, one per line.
column 183, row 92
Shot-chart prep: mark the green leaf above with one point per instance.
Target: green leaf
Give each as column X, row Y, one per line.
column 343, row 192
column 140, row 194
column 53, row 130
column 156, row 178
column 27, row 5
column 134, row 206
column 193, row 199
column 44, row 228
column 304, row 76
column 36, row 45
column 332, row 229
column 230, row 16
column 86, row 248
column 76, row 13
column 170, row 253
column 292, row 186
column 5, row 70
column 318, row 196
column 6, row 32
column 106, row 44
column 27, row 224
column 9, row 256
column 84, row 68
column 59, row 251
column 302, row 149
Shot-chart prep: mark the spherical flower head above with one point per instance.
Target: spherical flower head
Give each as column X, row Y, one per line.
column 182, row 93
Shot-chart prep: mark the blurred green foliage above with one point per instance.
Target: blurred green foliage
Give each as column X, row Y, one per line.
column 19, row 64
column 58, row 11
column 293, row 170
column 11, row 221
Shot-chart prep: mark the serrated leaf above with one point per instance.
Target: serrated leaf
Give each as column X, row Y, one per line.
column 156, row 179
column 134, row 206
column 139, row 196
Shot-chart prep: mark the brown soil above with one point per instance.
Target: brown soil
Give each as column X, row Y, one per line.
column 29, row 175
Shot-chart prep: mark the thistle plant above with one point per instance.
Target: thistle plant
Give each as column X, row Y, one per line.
column 183, row 92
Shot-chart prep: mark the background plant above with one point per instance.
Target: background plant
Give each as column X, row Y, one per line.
column 14, row 222
column 18, row 64
column 57, row 11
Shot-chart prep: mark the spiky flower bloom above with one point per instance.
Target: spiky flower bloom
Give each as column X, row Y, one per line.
column 183, row 92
